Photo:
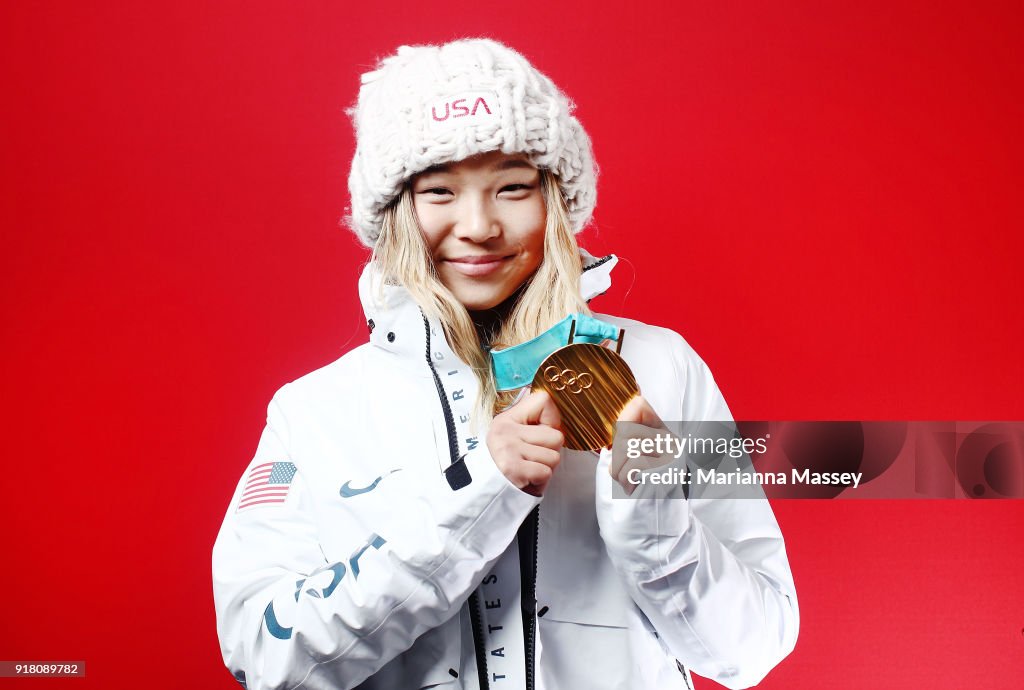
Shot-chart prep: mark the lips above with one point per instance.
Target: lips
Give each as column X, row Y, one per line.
column 476, row 266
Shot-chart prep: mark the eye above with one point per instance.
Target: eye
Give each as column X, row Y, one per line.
column 435, row 194
column 515, row 190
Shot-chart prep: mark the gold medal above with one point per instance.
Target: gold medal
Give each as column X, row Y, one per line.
column 590, row 385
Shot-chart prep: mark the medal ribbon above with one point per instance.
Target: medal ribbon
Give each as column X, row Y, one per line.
column 516, row 366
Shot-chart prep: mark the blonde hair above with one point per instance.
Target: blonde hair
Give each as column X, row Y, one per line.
column 549, row 295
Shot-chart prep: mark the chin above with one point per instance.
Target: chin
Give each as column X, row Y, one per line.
column 480, row 304
column 481, row 299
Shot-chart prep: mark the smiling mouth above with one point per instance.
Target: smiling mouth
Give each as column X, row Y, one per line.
column 476, row 266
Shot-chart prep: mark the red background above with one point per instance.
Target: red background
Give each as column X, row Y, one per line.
column 824, row 198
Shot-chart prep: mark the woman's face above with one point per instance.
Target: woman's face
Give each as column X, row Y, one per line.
column 483, row 219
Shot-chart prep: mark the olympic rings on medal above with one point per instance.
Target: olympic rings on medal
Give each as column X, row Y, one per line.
column 567, row 378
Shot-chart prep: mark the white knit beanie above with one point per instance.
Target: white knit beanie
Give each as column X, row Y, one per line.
column 428, row 105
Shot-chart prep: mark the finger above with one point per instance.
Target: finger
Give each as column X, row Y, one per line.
column 633, row 439
column 638, row 410
column 623, row 476
column 541, row 455
column 530, row 409
column 550, row 415
column 642, row 464
column 542, row 435
column 536, row 476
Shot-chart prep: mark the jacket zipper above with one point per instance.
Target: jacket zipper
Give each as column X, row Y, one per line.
column 686, row 677
column 449, row 418
column 527, row 539
column 600, row 262
column 476, row 623
column 453, row 451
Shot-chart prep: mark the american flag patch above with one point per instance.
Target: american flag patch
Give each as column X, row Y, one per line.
column 267, row 484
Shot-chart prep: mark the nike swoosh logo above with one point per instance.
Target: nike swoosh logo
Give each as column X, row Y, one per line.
column 348, row 491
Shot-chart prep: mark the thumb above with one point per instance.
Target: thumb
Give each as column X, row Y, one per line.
column 537, row 408
column 639, row 411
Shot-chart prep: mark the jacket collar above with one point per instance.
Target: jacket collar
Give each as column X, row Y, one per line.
column 397, row 324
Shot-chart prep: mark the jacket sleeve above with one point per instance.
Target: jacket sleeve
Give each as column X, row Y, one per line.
column 711, row 574
column 289, row 614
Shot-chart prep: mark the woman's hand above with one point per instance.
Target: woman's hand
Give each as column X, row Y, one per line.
column 637, row 421
column 525, row 441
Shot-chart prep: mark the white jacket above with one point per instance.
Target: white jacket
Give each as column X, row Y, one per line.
column 388, row 511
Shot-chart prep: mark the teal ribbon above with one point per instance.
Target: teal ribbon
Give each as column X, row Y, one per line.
column 515, row 367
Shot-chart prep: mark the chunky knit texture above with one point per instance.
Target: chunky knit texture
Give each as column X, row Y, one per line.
column 428, row 105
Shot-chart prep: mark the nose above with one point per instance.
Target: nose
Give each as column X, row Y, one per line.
column 477, row 220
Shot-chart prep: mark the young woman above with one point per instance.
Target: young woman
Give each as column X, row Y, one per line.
column 405, row 524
